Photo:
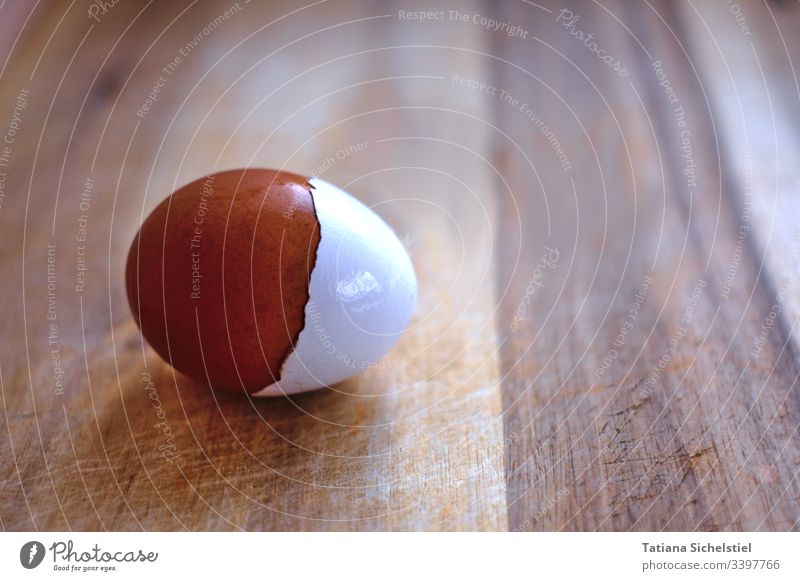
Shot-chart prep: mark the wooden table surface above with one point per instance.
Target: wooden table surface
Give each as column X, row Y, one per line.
column 601, row 201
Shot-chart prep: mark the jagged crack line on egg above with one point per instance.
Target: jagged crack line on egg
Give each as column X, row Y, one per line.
column 275, row 388
column 347, row 228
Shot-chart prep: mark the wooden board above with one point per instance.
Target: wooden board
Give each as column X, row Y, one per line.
column 597, row 345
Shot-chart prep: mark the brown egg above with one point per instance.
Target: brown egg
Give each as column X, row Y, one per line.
column 218, row 275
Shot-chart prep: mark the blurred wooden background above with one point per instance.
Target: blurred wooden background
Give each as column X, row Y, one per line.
column 601, row 201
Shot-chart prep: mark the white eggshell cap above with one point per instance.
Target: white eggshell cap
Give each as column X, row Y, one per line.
column 362, row 295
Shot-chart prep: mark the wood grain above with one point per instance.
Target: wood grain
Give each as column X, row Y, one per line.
column 597, row 345
column 661, row 415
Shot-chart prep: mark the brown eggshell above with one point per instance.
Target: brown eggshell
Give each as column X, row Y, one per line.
column 218, row 275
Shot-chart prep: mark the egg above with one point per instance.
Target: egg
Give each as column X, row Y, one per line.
column 268, row 282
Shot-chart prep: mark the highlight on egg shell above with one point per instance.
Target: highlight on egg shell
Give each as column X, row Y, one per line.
column 268, row 282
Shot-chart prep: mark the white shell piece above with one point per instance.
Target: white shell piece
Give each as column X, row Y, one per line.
column 362, row 294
